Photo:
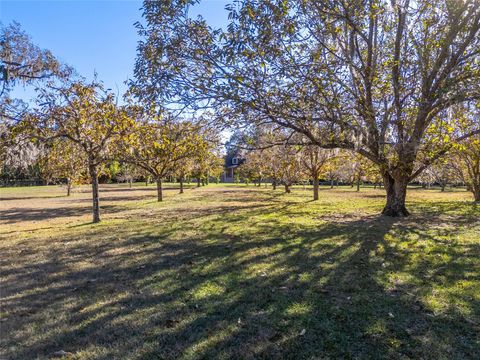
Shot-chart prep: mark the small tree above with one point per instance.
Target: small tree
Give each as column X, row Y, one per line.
column 254, row 168
column 86, row 115
column 283, row 165
column 183, row 169
column 128, row 172
column 442, row 172
column 206, row 163
column 466, row 165
column 64, row 160
column 158, row 146
column 314, row 160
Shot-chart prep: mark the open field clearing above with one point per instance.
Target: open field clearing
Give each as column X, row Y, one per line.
column 228, row 271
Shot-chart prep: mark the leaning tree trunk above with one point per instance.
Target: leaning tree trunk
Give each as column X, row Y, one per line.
column 181, row 185
column 396, row 189
column 315, row 186
column 159, row 190
column 95, row 197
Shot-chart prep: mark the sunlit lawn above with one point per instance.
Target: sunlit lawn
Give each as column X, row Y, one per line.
column 238, row 272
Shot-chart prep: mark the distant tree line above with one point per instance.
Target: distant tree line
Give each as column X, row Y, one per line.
column 271, row 159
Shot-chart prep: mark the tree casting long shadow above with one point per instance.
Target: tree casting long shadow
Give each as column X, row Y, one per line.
column 256, row 288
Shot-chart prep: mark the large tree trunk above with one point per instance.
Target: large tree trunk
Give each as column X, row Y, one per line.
column 315, row 187
column 331, row 184
column 159, row 190
column 198, row 182
column 476, row 192
column 274, row 185
column 181, row 185
column 287, row 189
column 358, row 183
column 95, row 197
column 396, row 194
column 69, row 187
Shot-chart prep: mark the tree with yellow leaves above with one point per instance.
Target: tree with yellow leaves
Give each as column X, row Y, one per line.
column 64, row 160
column 466, row 165
column 86, row 115
column 158, row 146
column 313, row 160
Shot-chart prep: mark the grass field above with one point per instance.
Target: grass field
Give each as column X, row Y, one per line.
column 236, row 272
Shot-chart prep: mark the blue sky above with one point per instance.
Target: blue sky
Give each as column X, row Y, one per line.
column 91, row 35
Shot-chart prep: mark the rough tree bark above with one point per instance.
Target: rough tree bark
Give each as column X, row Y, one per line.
column 95, row 197
column 69, row 187
column 159, row 190
column 315, row 187
column 396, row 189
column 475, row 189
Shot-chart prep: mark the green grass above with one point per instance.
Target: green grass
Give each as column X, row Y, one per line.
column 239, row 272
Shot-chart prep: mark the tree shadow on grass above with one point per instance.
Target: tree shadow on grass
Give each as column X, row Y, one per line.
column 13, row 215
column 3, row 198
column 348, row 288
